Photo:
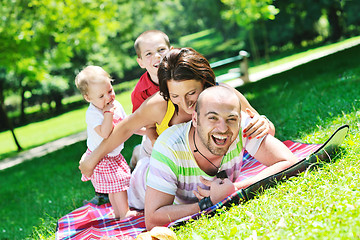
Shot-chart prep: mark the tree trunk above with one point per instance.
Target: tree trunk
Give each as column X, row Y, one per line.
column 58, row 103
column 3, row 115
column 22, row 105
column 253, row 46
column 335, row 15
column 10, row 126
column 266, row 42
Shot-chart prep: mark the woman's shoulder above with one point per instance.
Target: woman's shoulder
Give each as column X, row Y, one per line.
column 154, row 107
column 155, row 101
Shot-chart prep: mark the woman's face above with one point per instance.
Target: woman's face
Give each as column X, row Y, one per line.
column 185, row 93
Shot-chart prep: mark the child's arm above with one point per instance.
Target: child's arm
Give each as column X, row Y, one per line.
column 147, row 114
column 152, row 134
column 104, row 130
column 141, row 131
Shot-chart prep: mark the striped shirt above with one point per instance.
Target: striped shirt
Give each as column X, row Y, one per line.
column 173, row 168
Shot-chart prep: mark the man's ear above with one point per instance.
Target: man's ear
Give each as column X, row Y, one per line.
column 139, row 61
column 194, row 119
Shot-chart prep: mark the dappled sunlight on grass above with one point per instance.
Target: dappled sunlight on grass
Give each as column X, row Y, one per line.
column 306, row 104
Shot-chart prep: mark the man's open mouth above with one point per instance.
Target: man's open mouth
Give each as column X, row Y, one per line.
column 219, row 140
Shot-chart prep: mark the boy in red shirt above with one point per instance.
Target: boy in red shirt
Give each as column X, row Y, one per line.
column 150, row 47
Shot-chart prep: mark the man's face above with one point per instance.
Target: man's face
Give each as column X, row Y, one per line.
column 218, row 124
column 153, row 49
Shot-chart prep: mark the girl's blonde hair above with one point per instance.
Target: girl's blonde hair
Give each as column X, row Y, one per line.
column 90, row 74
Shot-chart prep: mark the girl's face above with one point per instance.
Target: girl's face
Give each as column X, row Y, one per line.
column 100, row 94
column 185, row 93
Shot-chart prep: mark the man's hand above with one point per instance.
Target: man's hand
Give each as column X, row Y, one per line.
column 219, row 189
column 82, row 163
column 258, row 127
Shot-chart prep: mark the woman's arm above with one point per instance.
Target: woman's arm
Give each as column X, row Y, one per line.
column 148, row 114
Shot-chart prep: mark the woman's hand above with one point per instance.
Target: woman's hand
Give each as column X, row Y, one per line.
column 84, row 166
column 258, row 127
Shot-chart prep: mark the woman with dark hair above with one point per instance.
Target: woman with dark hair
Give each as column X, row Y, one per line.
column 183, row 74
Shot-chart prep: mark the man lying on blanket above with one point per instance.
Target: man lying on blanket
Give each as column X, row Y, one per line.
column 196, row 164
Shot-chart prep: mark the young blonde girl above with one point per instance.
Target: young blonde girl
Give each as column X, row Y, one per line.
column 112, row 173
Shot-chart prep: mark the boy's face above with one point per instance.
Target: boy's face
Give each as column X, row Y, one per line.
column 152, row 49
column 100, row 94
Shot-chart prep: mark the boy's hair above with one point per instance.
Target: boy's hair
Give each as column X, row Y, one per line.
column 145, row 34
column 90, row 74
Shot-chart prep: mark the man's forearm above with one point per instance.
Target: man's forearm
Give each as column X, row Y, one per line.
column 277, row 167
column 169, row 213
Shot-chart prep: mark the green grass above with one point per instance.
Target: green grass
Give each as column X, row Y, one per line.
column 282, row 60
column 66, row 124
column 307, row 104
column 37, row 134
column 285, row 57
column 35, row 194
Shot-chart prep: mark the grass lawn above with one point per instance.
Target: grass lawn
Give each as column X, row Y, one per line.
column 306, row 104
column 39, row 133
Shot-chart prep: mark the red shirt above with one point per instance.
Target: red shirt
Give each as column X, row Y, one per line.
column 143, row 89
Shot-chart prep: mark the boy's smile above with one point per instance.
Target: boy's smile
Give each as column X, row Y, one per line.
column 153, row 49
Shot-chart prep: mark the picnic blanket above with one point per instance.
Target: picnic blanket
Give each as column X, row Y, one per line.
column 93, row 222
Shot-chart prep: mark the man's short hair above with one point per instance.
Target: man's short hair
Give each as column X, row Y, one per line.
column 223, row 91
column 146, row 34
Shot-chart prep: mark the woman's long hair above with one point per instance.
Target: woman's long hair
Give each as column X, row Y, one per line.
column 182, row 64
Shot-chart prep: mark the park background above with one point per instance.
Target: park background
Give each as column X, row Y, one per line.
column 43, row 44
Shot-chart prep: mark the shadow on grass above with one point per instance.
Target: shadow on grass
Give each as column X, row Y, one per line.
column 44, row 189
column 307, row 97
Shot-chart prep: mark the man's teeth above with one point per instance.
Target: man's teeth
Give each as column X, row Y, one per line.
column 220, row 139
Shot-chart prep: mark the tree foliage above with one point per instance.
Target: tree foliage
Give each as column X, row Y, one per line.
column 44, row 43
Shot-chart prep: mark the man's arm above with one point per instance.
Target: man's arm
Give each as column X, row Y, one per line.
column 160, row 210
column 271, row 153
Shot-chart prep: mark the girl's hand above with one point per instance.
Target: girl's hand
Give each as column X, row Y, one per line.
column 109, row 107
column 258, row 127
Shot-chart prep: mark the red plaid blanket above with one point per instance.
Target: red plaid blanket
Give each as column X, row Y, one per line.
column 93, row 222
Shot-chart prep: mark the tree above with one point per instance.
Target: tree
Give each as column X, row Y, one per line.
column 41, row 38
column 3, row 116
column 250, row 14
